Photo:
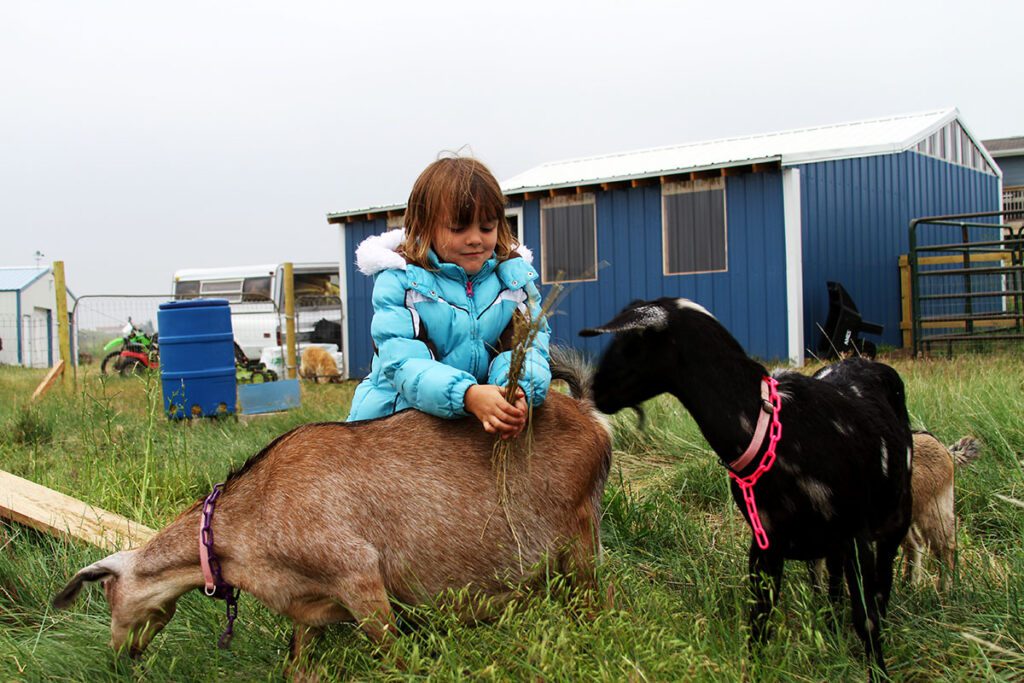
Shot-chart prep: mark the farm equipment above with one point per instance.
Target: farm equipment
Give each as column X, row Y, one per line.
column 841, row 334
column 250, row 371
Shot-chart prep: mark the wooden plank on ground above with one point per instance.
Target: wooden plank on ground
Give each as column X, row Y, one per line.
column 47, row 510
column 50, row 378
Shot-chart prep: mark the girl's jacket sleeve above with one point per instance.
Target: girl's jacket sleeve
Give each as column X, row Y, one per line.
column 427, row 384
column 536, row 375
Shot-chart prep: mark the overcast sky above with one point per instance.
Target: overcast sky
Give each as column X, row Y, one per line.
column 139, row 138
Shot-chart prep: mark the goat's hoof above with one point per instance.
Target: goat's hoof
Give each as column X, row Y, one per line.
column 296, row 673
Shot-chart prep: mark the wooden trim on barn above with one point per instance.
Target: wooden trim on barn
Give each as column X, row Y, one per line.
column 585, row 187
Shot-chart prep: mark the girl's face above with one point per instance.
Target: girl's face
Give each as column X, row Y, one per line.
column 468, row 246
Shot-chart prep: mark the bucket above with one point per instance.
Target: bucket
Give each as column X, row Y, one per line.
column 197, row 358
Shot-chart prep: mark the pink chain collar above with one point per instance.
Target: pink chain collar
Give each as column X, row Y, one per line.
column 769, row 385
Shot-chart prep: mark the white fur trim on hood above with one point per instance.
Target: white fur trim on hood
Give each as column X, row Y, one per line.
column 380, row 252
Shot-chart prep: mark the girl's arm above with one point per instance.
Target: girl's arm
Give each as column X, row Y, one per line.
column 536, row 376
column 427, row 384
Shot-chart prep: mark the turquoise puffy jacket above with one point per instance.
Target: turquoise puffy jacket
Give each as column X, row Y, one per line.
column 436, row 332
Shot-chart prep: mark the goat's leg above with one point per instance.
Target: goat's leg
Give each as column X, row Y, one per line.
column 765, row 580
column 816, row 574
column 913, row 548
column 944, row 543
column 578, row 562
column 861, row 582
column 302, row 636
column 885, row 558
column 367, row 601
column 579, row 558
column 834, row 564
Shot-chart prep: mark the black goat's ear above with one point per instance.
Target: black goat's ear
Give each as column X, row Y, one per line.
column 642, row 316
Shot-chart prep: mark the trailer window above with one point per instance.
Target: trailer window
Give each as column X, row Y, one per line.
column 186, row 289
column 223, row 289
column 315, row 290
column 256, row 289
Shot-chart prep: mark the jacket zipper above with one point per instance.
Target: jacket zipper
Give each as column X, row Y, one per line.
column 472, row 320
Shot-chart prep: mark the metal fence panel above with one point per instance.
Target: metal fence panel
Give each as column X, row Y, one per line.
column 967, row 281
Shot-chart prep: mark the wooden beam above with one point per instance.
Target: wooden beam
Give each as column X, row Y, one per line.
column 729, row 171
column 63, row 321
column 50, row 378
column 706, row 174
column 764, row 167
column 47, row 510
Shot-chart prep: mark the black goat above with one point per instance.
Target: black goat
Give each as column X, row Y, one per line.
column 840, row 485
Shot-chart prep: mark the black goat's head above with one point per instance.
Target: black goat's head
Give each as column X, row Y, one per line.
column 640, row 361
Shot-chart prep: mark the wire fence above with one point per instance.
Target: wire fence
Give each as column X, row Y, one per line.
column 29, row 340
column 105, row 324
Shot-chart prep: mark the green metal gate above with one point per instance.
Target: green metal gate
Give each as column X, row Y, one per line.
column 967, row 281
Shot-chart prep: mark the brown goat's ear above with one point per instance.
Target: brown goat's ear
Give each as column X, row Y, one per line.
column 644, row 316
column 108, row 566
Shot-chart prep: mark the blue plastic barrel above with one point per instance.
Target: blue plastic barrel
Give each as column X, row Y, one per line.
column 197, row 357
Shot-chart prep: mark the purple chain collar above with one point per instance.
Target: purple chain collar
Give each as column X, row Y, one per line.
column 216, row 587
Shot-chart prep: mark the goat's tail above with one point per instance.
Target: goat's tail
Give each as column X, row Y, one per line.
column 965, row 451
column 572, row 367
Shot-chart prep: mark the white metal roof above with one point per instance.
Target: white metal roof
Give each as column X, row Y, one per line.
column 887, row 135
column 19, row 277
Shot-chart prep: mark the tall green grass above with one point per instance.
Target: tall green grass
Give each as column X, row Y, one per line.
column 675, row 552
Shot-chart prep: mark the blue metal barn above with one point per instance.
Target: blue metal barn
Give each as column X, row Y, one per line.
column 752, row 228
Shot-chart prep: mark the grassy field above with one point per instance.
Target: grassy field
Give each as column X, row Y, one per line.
column 675, row 550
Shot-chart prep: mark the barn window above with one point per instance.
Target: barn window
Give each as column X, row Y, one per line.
column 693, row 226
column 568, row 235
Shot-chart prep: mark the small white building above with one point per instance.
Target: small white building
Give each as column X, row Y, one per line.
column 28, row 316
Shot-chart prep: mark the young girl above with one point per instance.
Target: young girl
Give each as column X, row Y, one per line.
column 446, row 289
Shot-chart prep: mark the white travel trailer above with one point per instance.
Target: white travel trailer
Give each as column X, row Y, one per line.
column 256, row 296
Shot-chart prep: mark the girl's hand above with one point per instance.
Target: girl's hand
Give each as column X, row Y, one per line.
column 498, row 416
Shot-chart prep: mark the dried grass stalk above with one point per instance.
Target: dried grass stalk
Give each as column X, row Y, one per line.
column 525, row 328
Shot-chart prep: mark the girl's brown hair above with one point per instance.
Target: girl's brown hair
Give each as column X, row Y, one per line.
column 453, row 191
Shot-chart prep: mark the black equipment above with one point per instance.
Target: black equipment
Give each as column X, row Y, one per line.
column 844, row 325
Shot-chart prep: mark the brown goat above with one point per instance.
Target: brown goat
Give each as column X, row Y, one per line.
column 333, row 521
column 934, row 522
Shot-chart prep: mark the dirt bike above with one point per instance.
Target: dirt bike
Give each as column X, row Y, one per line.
column 131, row 353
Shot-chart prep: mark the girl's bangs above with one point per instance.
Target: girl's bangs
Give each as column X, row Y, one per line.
column 481, row 202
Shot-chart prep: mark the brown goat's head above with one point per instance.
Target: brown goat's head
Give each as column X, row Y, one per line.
column 139, row 609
